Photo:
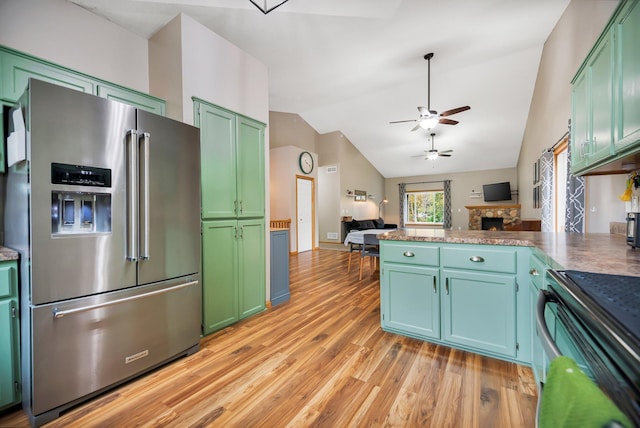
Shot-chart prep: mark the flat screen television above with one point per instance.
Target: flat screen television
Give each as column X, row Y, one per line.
column 497, row 192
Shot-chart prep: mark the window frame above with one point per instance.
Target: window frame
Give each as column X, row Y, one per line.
column 405, row 214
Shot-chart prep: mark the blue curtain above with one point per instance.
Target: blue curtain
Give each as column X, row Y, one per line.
column 574, row 218
column 546, row 191
column 403, row 198
column 446, row 223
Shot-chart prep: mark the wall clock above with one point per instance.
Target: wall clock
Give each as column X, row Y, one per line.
column 306, row 162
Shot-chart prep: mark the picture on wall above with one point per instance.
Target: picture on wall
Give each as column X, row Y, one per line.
column 360, row 195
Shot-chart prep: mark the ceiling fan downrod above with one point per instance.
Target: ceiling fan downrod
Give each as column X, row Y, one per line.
column 428, row 58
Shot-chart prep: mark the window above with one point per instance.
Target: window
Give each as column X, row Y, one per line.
column 561, row 175
column 425, row 207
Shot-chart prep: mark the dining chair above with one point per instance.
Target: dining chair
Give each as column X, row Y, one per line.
column 370, row 248
column 353, row 247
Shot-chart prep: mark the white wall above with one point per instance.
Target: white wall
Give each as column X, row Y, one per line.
column 68, row 35
column 564, row 51
column 210, row 68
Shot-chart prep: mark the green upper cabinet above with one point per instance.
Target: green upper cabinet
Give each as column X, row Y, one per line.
column 218, row 158
column 136, row 99
column 592, row 104
column 250, row 173
column 628, row 88
column 581, row 137
column 606, row 96
column 601, row 77
column 232, row 156
column 18, row 68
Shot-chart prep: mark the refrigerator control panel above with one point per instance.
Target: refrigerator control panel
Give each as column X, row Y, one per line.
column 80, row 175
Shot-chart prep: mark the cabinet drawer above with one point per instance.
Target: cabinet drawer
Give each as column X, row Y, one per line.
column 537, row 270
column 412, row 254
column 483, row 259
column 7, row 280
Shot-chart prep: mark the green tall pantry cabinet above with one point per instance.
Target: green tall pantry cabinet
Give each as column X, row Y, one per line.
column 233, row 223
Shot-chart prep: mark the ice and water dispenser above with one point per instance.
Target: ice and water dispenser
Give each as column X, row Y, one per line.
column 80, row 211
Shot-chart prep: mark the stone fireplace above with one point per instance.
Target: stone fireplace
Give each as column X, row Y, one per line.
column 492, row 214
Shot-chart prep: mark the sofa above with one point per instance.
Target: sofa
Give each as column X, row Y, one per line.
column 348, row 226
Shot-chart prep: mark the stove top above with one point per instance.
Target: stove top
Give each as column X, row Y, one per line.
column 618, row 295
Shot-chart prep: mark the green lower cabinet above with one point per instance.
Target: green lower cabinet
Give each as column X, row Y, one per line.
column 479, row 311
column 461, row 295
column 410, row 300
column 9, row 335
column 233, row 271
column 219, row 274
column 251, row 263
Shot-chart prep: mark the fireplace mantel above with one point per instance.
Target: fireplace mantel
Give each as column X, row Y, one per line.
column 509, row 214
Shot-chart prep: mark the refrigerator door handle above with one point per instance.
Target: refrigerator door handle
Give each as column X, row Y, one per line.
column 60, row 314
column 131, row 146
column 144, row 195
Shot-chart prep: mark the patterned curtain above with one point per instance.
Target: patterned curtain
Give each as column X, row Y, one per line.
column 403, row 198
column 546, row 190
column 574, row 218
column 446, row 223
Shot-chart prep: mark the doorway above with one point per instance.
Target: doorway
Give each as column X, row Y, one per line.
column 305, row 212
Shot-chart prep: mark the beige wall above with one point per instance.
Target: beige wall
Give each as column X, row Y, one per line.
column 290, row 135
column 66, row 34
column 564, row 51
column 462, row 186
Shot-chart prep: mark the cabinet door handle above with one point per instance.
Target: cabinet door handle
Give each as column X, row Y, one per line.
column 476, row 259
column 235, row 207
column 534, row 272
column 435, row 289
column 446, row 285
column 408, row 254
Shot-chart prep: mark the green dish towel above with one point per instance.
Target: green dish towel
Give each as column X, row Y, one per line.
column 571, row 399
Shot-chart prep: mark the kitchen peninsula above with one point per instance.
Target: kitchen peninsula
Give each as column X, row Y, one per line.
column 477, row 290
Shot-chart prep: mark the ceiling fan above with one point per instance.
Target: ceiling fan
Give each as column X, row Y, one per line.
column 430, row 118
column 433, row 153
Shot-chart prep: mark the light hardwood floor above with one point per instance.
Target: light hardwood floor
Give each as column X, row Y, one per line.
column 321, row 360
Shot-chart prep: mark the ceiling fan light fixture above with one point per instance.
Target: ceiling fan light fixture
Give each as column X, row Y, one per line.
column 267, row 6
column 429, row 122
column 432, row 155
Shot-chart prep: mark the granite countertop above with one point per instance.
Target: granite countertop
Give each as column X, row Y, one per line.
column 590, row 252
column 7, row 254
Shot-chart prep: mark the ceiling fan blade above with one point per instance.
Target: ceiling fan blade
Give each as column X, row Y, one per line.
column 423, row 111
column 403, row 121
column 415, row 128
column 446, row 151
column 448, row 121
column 417, row 156
column 454, row 111
column 444, row 155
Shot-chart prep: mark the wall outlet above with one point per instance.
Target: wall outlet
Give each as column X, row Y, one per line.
column 332, row 235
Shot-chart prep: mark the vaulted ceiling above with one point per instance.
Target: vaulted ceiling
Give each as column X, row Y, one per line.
column 355, row 65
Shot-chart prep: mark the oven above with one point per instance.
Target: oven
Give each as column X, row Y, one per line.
column 595, row 320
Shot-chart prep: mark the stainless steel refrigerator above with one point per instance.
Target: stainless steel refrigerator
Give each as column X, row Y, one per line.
column 104, row 210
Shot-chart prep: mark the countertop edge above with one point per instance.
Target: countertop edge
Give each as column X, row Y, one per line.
column 7, row 254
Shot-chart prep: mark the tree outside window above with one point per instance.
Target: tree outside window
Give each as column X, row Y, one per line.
column 425, row 207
